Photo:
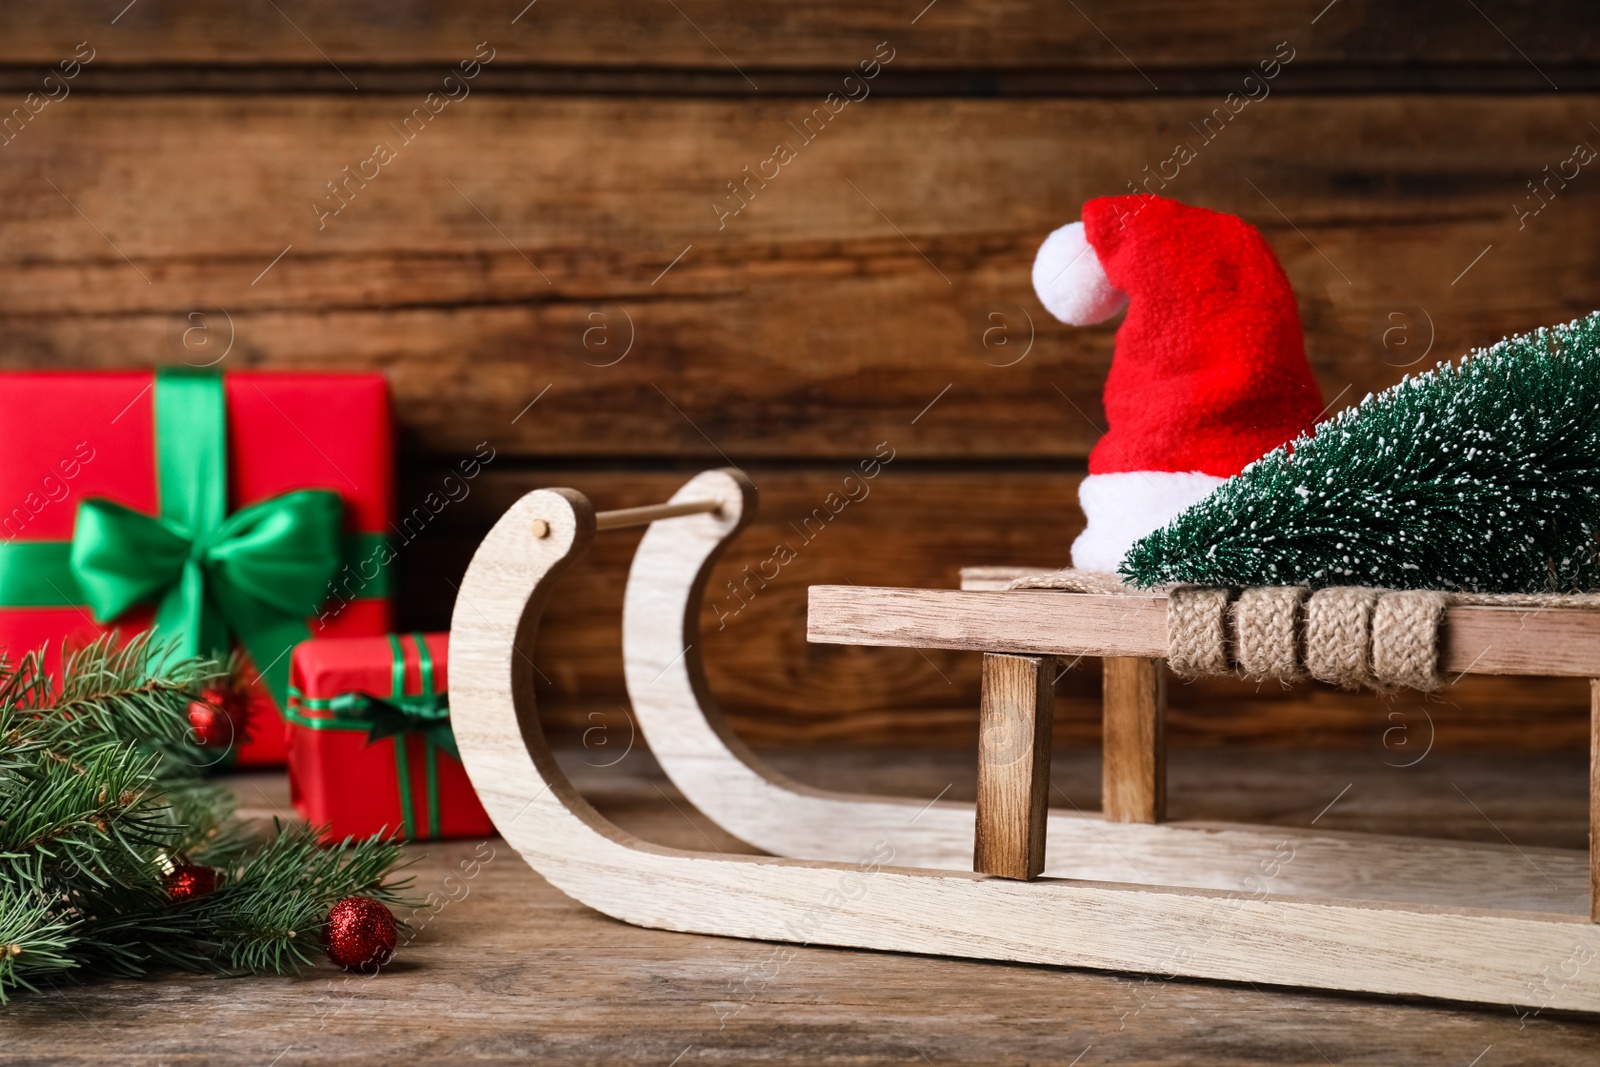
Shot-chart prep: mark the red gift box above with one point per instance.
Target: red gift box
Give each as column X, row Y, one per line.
column 370, row 748
column 134, row 446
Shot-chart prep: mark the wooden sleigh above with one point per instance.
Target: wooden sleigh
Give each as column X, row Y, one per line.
column 1125, row 891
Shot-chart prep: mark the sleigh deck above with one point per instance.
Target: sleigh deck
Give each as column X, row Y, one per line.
column 1125, row 891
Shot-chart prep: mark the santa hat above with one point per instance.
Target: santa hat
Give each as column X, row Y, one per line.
column 1210, row 370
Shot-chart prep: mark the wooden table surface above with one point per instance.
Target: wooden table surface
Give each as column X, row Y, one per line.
column 506, row 969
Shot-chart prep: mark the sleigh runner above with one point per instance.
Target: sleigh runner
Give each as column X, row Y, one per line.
column 1339, row 911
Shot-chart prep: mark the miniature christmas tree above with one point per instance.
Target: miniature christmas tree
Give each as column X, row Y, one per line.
column 1477, row 477
column 117, row 857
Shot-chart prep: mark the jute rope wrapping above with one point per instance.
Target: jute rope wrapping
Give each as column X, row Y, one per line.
column 1266, row 632
column 1077, row 582
column 1197, row 631
column 1350, row 636
column 1338, row 636
column 1405, row 638
column 1347, row 635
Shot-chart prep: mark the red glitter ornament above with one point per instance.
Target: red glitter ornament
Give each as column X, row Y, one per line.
column 219, row 717
column 187, row 881
column 361, row 934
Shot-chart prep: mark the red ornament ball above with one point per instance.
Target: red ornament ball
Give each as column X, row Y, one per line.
column 187, row 881
column 218, row 717
column 361, row 934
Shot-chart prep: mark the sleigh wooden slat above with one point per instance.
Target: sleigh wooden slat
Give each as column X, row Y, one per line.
column 1557, row 642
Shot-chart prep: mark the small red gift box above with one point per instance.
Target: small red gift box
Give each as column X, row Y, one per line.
column 249, row 508
column 370, row 748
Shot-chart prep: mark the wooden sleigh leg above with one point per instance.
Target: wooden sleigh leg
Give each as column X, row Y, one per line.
column 1457, row 953
column 719, row 774
column 1013, row 765
column 1135, row 740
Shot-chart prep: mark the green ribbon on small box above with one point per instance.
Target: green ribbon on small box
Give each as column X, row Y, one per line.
column 256, row 574
column 397, row 715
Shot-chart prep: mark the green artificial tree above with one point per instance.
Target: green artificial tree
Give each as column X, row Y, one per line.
column 118, row 857
column 1477, row 477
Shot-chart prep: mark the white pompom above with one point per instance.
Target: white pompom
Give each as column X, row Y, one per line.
column 1071, row 283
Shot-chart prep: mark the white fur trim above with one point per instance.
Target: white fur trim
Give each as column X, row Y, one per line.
column 1070, row 281
column 1125, row 506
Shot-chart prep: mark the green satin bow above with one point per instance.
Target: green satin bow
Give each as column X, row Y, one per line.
column 257, row 573
column 427, row 714
column 264, row 569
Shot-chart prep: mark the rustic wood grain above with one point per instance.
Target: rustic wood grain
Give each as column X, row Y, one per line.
column 1070, row 624
column 1025, row 34
column 1474, row 638
column 1135, row 740
column 1014, row 724
column 806, row 326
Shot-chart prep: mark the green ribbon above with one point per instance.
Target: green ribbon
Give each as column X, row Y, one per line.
column 256, row 574
column 38, row 574
column 427, row 714
column 398, row 715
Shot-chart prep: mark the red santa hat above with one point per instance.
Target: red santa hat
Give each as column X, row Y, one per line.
column 1210, row 370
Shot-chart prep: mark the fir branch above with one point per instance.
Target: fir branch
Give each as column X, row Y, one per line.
column 1478, row 477
column 116, row 692
column 209, row 831
column 269, row 917
column 88, row 815
column 101, row 794
column 34, row 943
column 125, row 931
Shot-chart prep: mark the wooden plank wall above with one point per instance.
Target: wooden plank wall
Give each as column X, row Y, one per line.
column 554, row 227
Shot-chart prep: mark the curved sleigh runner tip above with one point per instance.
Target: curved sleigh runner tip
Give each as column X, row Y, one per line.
column 873, row 899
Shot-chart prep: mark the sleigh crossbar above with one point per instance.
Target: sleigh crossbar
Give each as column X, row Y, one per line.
column 644, row 515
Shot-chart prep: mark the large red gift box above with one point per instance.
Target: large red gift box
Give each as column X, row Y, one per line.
column 134, row 450
column 370, row 747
